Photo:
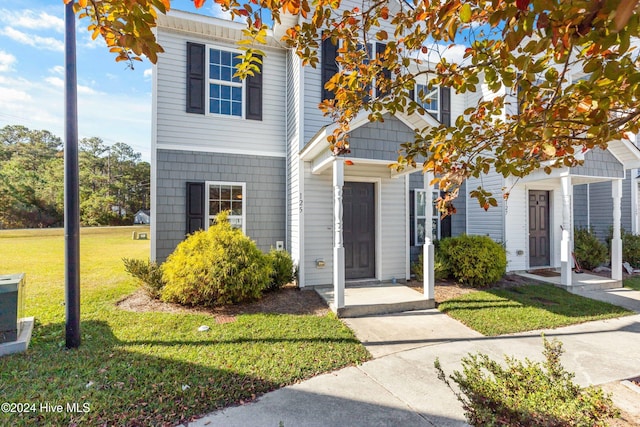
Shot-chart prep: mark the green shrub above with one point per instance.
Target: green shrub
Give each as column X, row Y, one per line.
column 440, row 266
column 474, row 260
column 526, row 394
column 215, row 267
column 590, row 252
column 631, row 249
column 149, row 274
column 282, row 266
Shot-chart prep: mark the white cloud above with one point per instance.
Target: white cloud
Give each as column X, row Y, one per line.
column 6, row 61
column 147, row 73
column 58, row 69
column 57, row 82
column 39, row 104
column 217, row 12
column 45, row 43
column 32, row 20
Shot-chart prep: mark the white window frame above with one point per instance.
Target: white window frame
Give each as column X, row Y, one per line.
column 430, row 212
column 243, row 217
column 425, row 88
column 210, row 81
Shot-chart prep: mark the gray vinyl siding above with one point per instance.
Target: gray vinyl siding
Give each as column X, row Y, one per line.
column 459, row 219
column 265, row 198
column 313, row 117
column 601, row 207
column 598, row 162
column 580, row 206
column 380, row 140
column 177, row 129
column 490, row 222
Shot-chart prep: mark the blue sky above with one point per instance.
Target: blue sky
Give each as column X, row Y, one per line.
column 114, row 102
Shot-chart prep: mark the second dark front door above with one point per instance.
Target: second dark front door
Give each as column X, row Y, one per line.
column 539, row 228
column 359, row 230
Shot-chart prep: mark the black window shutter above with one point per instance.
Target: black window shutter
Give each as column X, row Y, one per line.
column 412, row 94
column 329, row 67
column 195, row 206
column 380, row 47
column 195, row 78
column 445, row 106
column 254, row 95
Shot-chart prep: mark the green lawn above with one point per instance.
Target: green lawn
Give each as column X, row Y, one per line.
column 525, row 308
column 632, row 282
column 146, row 368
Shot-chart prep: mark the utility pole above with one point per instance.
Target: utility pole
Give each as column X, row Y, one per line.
column 71, row 185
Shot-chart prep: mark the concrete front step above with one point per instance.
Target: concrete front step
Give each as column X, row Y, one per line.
column 381, row 298
column 579, row 281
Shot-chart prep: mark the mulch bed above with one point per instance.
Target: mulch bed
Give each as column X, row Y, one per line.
column 287, row 300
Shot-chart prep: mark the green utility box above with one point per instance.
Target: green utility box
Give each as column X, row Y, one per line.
column 11, row 306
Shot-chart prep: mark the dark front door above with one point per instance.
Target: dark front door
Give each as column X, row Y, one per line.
column 359, row 230
column 539, row 228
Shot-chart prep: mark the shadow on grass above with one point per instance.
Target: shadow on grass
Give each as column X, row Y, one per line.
column 122, row 385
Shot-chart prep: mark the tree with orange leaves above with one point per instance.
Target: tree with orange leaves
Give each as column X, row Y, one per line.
column 524, row 52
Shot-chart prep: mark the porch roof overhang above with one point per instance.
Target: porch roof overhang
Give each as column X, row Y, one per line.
column 626, row 152
column 319, row 143
column 623, row 150
column 208, row 26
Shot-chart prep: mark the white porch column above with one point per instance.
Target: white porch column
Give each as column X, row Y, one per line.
column 428, row 187
column 428, row 251
column 338, row 242
column 616, row 241
column 566, row 246
column 428, row 275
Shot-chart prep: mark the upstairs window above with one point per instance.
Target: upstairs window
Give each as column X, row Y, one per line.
column 209, row 78
column 429, row 99
column 436, row 101
column 225, row 91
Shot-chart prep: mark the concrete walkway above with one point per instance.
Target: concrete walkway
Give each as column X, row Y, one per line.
column 400, row 387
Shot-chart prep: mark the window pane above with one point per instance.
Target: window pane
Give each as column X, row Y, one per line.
column 214, row 192
column 225, row 92
column 225, row 205
column 214, row 72
column 214, row 106
column 225, row 192
column 420, row 203
column 236, row 208
column 215, row 91
column 225, row 57
column 236, row 109
column 225, row 107
column 236, row 192
column 214, row 207
column 434, row 228
column 225, row 74
column 236, row 94
column 214, row 56
column 420, row 231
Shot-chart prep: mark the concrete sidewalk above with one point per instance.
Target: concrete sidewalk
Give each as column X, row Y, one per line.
column 400, row 386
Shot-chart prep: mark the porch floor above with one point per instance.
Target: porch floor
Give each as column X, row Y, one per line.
column 579, row 281
column 373, row 299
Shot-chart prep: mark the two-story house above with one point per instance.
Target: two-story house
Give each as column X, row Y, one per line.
column 259, row 148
